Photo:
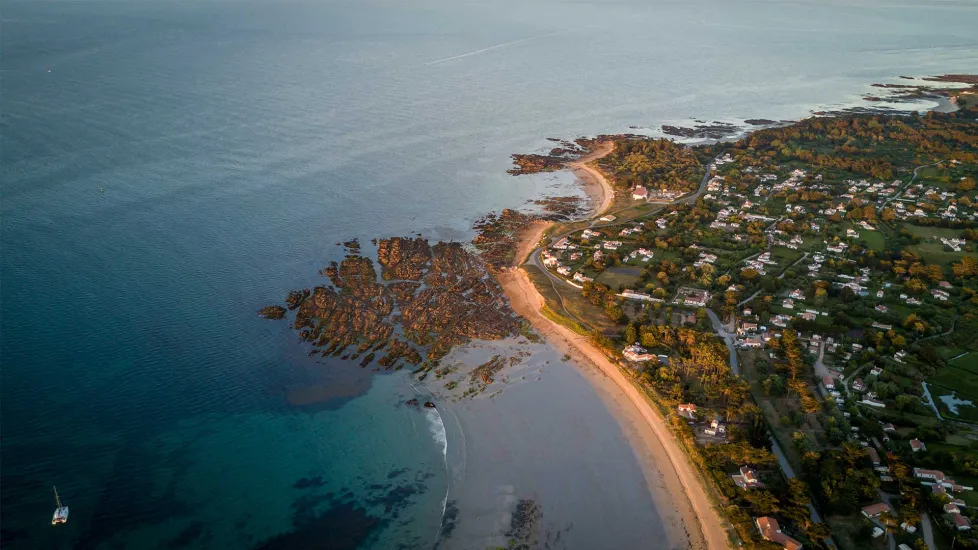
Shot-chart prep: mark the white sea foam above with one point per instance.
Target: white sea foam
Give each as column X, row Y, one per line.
column 437, row 429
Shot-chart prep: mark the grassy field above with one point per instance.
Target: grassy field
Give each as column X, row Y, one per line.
column 932, row 233
column 937, row 253
column 931, row 248
column 577, row 308
column 874, row 239
column 620, row 277
column 952, row 377
column 967, row 362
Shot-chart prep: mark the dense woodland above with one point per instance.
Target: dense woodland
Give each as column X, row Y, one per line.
column 658, row 164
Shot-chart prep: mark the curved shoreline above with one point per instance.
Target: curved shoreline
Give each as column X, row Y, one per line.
column 595, row 183
column 688, row 515
column 675, row 486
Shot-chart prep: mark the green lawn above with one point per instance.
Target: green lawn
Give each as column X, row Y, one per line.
column 937, row 253
column 874, row 239
column 933, row 233
column 947, row 353
column 952, row 377
column 967, row 362
column 620, row 277
column 576, row 306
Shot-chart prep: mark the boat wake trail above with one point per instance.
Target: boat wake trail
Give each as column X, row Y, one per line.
column 490, row 48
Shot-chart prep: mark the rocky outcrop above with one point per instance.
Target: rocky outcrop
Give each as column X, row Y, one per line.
column 402, row 258
column 272, row 312
column 442, row 294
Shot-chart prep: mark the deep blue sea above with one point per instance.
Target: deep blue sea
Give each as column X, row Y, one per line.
column 168, row 167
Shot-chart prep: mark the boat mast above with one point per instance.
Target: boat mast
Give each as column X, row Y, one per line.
column 57, row 498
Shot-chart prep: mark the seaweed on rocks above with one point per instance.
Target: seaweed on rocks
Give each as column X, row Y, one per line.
column 717, row 130
column 296, row 297
column 272, row 312
column 524, row 529
column 497, row 238
column 352, row 246
column 442, row 294
column 560, row 209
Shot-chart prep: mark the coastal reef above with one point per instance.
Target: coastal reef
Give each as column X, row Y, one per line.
column 272, row 312
column 426, row 300
column 555, row 160
column 716, row 130
column 497, row 237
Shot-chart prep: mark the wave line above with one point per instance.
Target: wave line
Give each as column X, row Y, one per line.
column 490, row 48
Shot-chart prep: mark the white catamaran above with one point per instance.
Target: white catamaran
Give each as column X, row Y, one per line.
column 61, row 513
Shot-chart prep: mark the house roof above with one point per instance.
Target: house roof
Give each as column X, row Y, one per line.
column 767, row 526
column 961, row 521
column 749, row 475
column 771, row 531
column 876, row 509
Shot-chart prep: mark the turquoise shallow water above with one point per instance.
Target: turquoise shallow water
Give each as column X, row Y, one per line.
column 236, row 142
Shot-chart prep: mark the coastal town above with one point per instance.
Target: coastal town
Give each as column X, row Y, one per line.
column 802, row 307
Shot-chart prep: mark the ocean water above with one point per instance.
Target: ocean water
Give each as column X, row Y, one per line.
column 168, row 167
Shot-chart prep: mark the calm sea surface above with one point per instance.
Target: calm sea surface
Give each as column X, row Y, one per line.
column 168, row 167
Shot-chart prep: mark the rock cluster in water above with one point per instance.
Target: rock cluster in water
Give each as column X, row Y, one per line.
column 426, row 300
column 716, row 130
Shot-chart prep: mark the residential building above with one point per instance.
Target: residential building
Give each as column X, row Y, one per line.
column 637, row 354
column 746, row 479
column 875, row 510
column 770, row 530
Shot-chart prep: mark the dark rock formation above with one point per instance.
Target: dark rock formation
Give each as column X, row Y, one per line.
column 272, row 312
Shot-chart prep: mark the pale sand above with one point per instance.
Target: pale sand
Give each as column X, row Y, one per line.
column 595, row 184
column 529, row 239
column 675, row 486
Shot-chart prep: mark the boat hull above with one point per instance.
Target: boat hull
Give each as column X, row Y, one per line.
column 60, row 516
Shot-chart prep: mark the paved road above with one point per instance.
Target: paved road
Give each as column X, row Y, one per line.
column 820, row 368
column 905, row 187
column 728, row 339
column 790, row 474
column 928, row 531
column 885, row 497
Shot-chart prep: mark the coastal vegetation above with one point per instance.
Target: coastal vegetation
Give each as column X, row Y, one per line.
column 837, row 256
column 786, row 316
column 659, row 164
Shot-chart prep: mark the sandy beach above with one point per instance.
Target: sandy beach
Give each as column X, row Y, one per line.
column 595, row 184
column 539, row 460
column 676, row 488
column 681, row 500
